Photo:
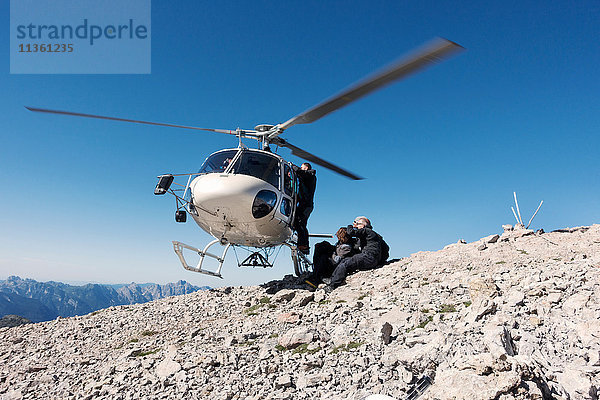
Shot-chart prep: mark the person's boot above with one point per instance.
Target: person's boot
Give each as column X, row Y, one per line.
column 304, row 249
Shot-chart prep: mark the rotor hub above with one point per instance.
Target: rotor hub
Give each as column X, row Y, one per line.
column 263, row 127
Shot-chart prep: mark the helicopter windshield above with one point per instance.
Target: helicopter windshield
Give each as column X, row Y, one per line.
column 258, row 165
column 217, row 162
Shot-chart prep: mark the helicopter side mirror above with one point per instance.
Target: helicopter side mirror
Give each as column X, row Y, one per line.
column 163, row 185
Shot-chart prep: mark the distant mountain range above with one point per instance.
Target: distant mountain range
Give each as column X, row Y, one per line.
column 43, row 301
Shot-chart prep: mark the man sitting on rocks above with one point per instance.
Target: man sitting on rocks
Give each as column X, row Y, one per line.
column 374, row 252
column 328, row 256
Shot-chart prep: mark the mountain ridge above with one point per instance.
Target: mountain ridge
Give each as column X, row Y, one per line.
column 44, row 301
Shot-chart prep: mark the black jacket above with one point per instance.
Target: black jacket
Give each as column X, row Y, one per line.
column 307, row 186
column 371, row 243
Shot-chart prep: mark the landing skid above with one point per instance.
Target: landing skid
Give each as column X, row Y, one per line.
column 179, row 247
column 302, row 265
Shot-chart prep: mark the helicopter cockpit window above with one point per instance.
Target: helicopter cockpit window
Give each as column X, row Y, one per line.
column 288, row 179
column 218, row 162
column 258, row 165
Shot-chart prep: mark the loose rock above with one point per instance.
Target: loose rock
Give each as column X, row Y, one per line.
column 519, row 319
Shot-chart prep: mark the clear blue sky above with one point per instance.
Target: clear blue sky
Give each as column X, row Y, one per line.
column 442, row 151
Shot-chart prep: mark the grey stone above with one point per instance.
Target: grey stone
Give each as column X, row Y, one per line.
column 386, row 333
column 283, row 381
column 515, row 298
column 297, row 336
column 479, row 309
column 554, row 297
column 493, row 239
column 319, row 295
column 308, row 380
column 594, row 357
column 302, row 298
column 575, row 383
column 167, row 368
column 498, row 340
column 283, row 296
column 482, row 288
column 533, row 391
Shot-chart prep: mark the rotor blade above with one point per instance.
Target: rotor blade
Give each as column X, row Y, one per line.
column 311, row 157
column 227, row 131
column 432, row 52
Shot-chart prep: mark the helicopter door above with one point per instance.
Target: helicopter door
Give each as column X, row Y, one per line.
column 286, row 207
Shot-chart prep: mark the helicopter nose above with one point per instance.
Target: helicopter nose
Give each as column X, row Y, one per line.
column 242, row 196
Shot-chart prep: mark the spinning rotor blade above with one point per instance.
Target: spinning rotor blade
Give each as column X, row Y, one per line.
column 227, row 131
column 312, row 158
column 432, row 52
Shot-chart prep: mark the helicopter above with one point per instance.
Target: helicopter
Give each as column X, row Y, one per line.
column 247, row 198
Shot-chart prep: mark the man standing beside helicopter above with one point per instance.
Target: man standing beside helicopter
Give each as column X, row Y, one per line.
column 307, row 184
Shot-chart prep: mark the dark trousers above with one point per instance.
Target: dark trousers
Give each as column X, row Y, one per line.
column 358, row 262
column 302, row 214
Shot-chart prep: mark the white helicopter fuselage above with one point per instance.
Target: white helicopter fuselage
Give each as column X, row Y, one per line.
column 242, row 209
column 224, row 210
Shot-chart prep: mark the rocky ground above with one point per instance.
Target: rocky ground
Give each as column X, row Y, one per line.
column 514, row 316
